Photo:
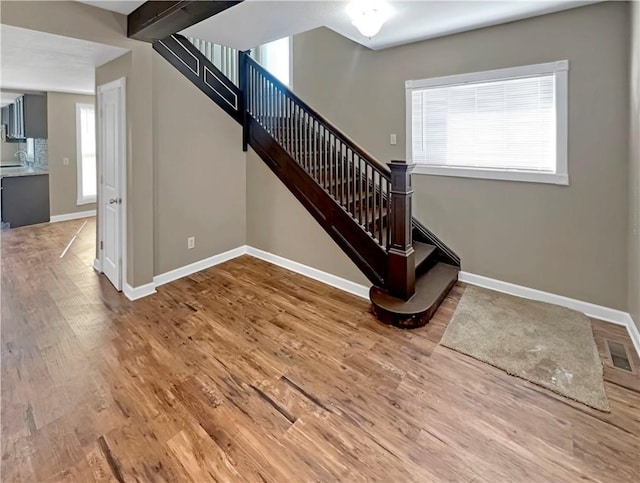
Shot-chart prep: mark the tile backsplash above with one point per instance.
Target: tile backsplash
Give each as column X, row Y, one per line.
column 36, row 150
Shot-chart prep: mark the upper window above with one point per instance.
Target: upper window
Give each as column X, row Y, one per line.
column 276, row 58
column 86, row 147
column 501, row 124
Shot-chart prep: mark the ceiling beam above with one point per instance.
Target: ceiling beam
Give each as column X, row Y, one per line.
column 156, row 20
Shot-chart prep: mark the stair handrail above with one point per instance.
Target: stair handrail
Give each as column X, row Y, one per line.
column 383, row 248
column 355, row 147
column 269, row 101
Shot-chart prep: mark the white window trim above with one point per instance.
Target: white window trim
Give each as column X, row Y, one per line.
column 80, row 199
column 560, row 176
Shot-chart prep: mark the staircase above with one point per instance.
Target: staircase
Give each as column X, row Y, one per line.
column 364, row 205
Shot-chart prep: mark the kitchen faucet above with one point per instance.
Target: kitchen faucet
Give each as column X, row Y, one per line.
column 23, row 157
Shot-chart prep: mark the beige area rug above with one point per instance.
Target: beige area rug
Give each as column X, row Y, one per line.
column 546, row 344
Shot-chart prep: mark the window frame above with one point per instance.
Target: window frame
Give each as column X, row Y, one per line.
column 559, row 69
column 81, row 199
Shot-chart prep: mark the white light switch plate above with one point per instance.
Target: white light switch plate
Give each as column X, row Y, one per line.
column 393, row 140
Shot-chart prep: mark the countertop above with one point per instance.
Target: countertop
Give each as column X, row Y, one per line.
column 22, row 171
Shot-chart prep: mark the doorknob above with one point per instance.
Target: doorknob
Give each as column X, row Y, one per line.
column 115, row 201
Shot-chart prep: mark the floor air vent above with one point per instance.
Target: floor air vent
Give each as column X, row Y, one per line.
column 619, row 356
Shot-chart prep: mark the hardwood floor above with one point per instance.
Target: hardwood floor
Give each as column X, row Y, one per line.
column 248, row 372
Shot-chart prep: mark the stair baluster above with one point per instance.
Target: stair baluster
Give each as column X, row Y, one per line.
column 364, row 205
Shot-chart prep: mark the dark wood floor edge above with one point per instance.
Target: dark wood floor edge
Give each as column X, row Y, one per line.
column 111, row 460
column 288, row 416
column 31, row 422
column 310, row 397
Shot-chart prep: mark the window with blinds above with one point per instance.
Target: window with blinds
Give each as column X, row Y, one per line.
column 504, row 124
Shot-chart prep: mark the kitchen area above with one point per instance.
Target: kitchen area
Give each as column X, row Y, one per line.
column 24, row 170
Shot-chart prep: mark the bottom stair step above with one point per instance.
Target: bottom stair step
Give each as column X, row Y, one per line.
column 431, row 289
column 423, row 252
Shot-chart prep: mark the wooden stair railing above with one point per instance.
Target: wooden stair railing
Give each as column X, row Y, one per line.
column 195, row 66
column 345, row 191
column 364, row 205
column 347, row 175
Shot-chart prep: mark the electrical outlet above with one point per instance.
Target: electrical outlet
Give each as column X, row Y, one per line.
column 393, row 140
column 191, row 242
column 65, row 161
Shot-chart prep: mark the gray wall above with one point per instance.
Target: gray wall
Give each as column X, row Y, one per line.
column 634, row 169
column 279, row 224
column 199, row 173
column 8, row 150
column 63, row 179
column 565, row 240
column 133, row 67
column 568, row 240
column 80, row 21
column 181, row 162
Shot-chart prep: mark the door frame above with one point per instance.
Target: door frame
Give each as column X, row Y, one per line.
column 120, row 83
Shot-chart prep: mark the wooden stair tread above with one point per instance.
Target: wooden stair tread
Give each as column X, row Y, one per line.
column 431, row 288
column 423, row 252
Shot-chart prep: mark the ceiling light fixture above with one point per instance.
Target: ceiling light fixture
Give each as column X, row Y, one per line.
column 368, row 16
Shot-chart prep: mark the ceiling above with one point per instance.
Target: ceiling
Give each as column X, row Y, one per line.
column 7, row 98
column 123, row 7
column 38, row 61
column 255, row 22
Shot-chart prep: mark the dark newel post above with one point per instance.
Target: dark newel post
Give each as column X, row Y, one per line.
column 243, row 73
column 401, row 274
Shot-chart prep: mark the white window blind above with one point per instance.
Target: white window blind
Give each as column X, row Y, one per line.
column 505, row 121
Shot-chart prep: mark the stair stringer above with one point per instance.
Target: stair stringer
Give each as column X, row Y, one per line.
column 365, row 253
column 355, row 241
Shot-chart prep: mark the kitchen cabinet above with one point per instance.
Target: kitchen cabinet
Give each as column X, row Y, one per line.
column 11, row 127
column 27, row 117
column 25, row 200
column 5, row 117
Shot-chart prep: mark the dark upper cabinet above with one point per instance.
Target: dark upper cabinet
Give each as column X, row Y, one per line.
column 11, row 132
column 27, row 117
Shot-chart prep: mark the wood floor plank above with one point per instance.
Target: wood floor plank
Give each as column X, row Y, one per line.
column 249, row 372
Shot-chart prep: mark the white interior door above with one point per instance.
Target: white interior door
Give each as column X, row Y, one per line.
column 111, row 139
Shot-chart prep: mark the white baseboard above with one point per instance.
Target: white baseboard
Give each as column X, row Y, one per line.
column 314, row 273
column 72, row 216
column 596, row 311
column 97, row 266
column 324, row 277
column 592, row 310
column 135, row 293
column 198, row 266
